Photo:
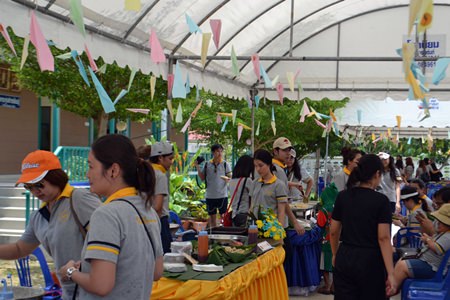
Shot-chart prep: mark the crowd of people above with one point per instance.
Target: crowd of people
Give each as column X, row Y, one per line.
column 110, row 241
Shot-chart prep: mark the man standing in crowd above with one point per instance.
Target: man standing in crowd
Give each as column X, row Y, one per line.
column 216, row 173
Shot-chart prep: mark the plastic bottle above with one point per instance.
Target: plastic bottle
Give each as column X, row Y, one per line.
column 202, row 246
column 6, row 293
column 252, row 234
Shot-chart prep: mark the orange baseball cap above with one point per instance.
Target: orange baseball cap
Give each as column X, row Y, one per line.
column 36, row 165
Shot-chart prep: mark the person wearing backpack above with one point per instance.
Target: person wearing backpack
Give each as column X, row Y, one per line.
column 216, row 173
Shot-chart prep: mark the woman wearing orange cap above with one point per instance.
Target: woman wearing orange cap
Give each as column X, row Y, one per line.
column 54, row 225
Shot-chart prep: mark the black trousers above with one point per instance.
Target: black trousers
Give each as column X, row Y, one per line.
column 166, row 235
column 359, row 274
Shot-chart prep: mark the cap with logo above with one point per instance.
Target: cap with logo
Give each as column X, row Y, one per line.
column 36, row 165
column 282, row 143
column 161, row 148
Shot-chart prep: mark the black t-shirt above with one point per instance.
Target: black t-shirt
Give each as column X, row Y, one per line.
column 360, row 210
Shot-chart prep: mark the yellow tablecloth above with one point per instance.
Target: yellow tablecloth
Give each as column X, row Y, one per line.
column 263, row 278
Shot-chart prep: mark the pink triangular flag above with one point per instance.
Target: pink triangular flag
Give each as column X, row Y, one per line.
column 44, row 55
column 157, row 52
column 144, row 111
column 240, row 127
column 320, row 124
column 280, row 90
column 305, row 112
column 296, row 74
column 219, row 119
column 186, row 125
column 329, row 125
column 91, row 61
column 256, row 67
column 170, row 80
column 7, row 38
column 216, row 26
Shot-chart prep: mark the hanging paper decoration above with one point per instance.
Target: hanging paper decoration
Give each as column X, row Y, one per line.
column 234, row 62
column 239, row 131
column 257, row 99
column 130, row 81
column 170, row 80
column 256, row 65
column 26, row 43
column 409, row 140
column 314, row 113
column 44, row 55
column 336, row 128
column 102, row 69
column 152, row 86
column 234, row 113
column 320, row 124
column 186, row 125
column 411, row 94
column 5, row 34
column 178, row 89
column 122, row 93
column 197, row 108
column 414, row 9
column 206, row 38
column 193, row 27
column 170, row 108
column 156, row 51
column 259, row 124
column 290, row 79
column 440, row 69
column 244, row 126
column 274, row 127
column 76, row 15
column 304, row 112
column 197, row 93
column 188, row 84
column 333, row 117
column 324, row 133
column 399, row 121
column 267, row 82
column 144, row 111
column 91, row 61
column 179, row 117
column 209, row 102
column 425, row 17
column 249, row 101
column 273, row 114
column 414, row 85
column 224, row 125
column 218, row 119
column 280, row 90
column 275, row 80
column 107, row 104
column 373, row 136
column 80, row 66
column 329, row 124
column 216, row 26
column 133, row 5
column 389, row 132
column 359, row 115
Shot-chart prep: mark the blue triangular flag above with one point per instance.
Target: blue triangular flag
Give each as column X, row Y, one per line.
column 80, row 65
column 336, row 128
column 359, row 114
column 193, row 27
column 224, row 124
column 409, row 140
column 197, row 93
column 257, row 99
column 178, row 89
column 267, row 81
column 440, row 69
column 120, row 96
column 411, row 94
column 188, row 85
column 107, row 104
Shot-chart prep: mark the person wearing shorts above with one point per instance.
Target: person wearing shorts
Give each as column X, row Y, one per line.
column 216, row 173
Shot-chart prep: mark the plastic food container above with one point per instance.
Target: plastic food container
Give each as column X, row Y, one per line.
column 173, row 258
column 180, row 247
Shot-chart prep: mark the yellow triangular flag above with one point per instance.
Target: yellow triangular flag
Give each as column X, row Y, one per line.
column 206, row 38
column 274, row 127
column 418, row 94
column 290, row 79
column 234, row 113
column 399, row 121
column 244, row 126
column 389, row 132
column 425, row 17
column 408, row 50
column 373, row 136
column 152, row 86
column 134, row 5
column 414, row 9
column 170, row 108
column 26, row 43
column 333, row 117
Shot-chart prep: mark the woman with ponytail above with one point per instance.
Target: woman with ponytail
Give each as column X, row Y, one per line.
column 362, row 221
column 122, row 254
column 350, row 161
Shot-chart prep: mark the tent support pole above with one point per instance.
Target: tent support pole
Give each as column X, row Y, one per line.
column 291, row 29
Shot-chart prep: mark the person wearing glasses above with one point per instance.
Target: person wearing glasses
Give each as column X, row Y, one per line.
column 216, row 173
column 53, row 226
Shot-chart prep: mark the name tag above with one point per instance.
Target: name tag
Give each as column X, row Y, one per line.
column 264, row 246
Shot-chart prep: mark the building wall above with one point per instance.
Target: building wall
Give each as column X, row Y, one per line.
column 73, row 130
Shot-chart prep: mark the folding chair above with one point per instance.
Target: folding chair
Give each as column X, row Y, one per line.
column 436, row 288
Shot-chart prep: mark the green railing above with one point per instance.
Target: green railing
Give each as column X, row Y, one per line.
column 74, row 162
column 31, row 204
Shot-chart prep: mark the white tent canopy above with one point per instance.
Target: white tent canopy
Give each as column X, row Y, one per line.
column 323, row 32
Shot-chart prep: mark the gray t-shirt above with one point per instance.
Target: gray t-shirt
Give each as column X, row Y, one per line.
column 442, row 243
column 340, row 181
column 388, row 186
column 294, row 193
column 162, row 188
column 216, row 187
column 58, row 233
column 244, row 187
column 268, row 195
column 117, row 235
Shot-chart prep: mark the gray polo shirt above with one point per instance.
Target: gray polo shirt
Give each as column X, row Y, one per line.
column 388, row 185
column 117, row 235
column 442, row 243
column 57, row 231
column 268, row 195
column 216, row 187
column 245, row 200
column 162, row 187
column 340, row 181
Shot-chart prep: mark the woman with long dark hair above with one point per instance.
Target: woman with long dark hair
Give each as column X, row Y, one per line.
column 362, row 221
column 409, row 168
column 350, row 161
column 297, row 175
column 122, row 254
column 390, row 181
column 240, row 186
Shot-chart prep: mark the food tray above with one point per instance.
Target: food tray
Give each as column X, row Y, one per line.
column 227, row 237
column 229, row 230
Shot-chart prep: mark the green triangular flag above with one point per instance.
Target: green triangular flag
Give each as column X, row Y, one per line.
column 257, row 129
column 234, row 62
column 76, row 14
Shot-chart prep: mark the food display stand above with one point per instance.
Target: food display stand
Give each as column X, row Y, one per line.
column 262, row 278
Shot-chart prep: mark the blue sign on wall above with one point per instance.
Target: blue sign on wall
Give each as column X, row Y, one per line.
column 9, row 101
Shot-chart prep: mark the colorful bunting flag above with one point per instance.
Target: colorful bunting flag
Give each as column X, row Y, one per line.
column 196, row 109
column 179, row 117
column 275, row 80
column 274, row 127
column 170, row 108
column 122, row 93
column 256, row 66
column 209, row 102
column 178, row 89
column 234, row 113
column 193, row 27
column 224, row 125
column 44, row 55
column 280, row 91
column 257, row 99
column 218, row 119
column 359, row 115
column 425, row 17
column 239, row 131
column 156, row 51
column 144, row 111
column 130, row 81
column 170, row 80
column 399, row 121
column 26, row 43
column 206, row 39
column 80, row 66
column 102, row 69
column 304, row 112
column 152, row 86
column 320, row 124
column 234, row 62
column 259, row 124
column 440, row 69
column 409, row 140
column 186, row 125
column 107, row 104
column 76, row 15
column 5, row 34
column 216, row 26
column 91, row 61
column 290, row 79
column 188, row 84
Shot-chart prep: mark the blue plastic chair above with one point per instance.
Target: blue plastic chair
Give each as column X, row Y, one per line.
column 174, row 218
column 436, row 288
column 411, row 235
column 23, row 269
